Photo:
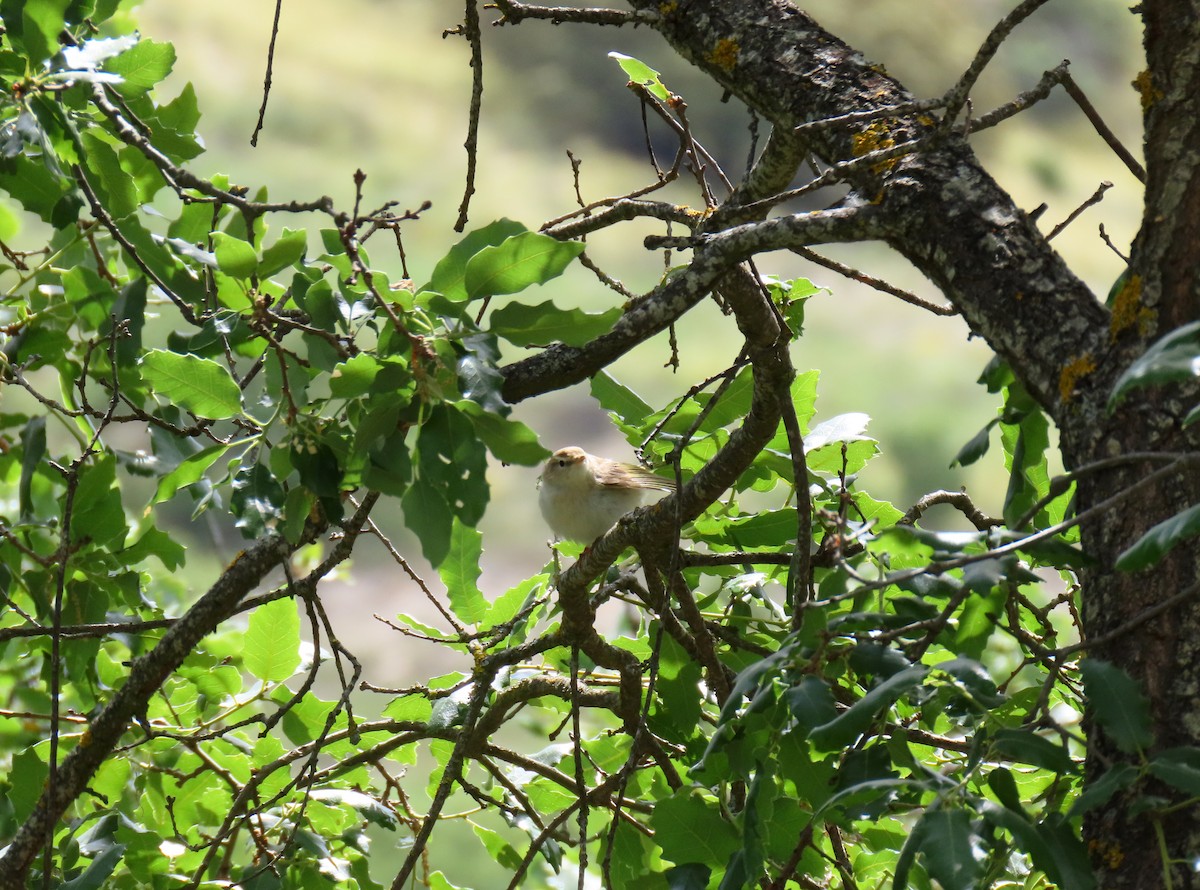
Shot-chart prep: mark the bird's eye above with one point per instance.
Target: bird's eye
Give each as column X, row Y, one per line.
column 562, row 461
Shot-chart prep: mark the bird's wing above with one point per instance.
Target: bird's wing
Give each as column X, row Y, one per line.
column 621, row 475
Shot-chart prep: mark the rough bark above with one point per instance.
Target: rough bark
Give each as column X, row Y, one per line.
column 1164, row 292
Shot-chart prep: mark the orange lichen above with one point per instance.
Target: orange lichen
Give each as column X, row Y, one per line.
column 1111, row 856
column 667, row 8
column 1074, row 371
column 725, row 54
column 1128, row 310
column 874, row 138
column 1144, row 84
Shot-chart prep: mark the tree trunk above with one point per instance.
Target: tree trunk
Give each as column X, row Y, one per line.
column 1163, row 652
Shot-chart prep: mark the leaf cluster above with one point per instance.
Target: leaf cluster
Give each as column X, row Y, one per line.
column 802, row 683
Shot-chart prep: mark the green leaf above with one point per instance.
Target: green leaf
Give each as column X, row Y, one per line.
column 811, row 702
column 33, row 449
column 513, row 601
column 545, row 323
column 877, row 661
column 502, row 852
column 354, row 376
column 804, row 398
column 97, row 513
column 631, row 854
column 157, row 543
column 517, row 262
column 1100, row 791
column 1178, row 767
column 428, row 516
column 448, row 275
column 1002, row 783
column 10, row 223
column 618, row 399
column 1051, row 844
column 733, row 403
column 257, row 500
column 679, row 708
column 975, row 448
column 129, row 316
column 365, row 805
column 1156, row 543
column 974, row 680
column 746, row 865
column 1025, row 746
column 1118, row 704
column 847, row 726
column 460, row 573
column 288, row 248
column 190, row 471
column 643, row 75
column 690, row 829
column 297, row 507
column 26, row 779
column 37, row 189
column 438, row 881
column 451, row 457
column 952, row 849
column 690, row 876
column 1174, row 358
column 116, row 189
column 98, row 871
column 164, row 262
column 235, row 257
column 509, row 440
column 1026, row 443
column 195, row 384
column 390, row 469
column 36, row 26
column 479, row 377
column 272, row 642
column 143, row 65
column 849, row 427
column 769, row 528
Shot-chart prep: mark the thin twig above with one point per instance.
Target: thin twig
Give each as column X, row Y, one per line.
column 960, row 500
column 878, row 283
column 1096, row 198
column 1102, row 128
column 470, row 30
column 1049, row 80
column 262, row 109
column 514, row 12
column 956, row 98
column 1104, row 237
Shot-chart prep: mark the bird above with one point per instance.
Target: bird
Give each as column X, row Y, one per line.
column 582, row 496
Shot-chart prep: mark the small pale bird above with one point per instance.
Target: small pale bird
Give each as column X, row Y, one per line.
column 582, row 496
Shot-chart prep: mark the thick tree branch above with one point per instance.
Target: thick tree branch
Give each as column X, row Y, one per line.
column 946, row 214
column 561, row 366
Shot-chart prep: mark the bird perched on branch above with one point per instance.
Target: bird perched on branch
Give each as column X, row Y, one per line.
column 582, row 496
